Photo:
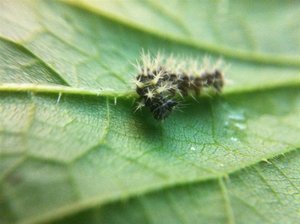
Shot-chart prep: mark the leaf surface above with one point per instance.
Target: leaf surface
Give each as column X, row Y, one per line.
column 72, row 150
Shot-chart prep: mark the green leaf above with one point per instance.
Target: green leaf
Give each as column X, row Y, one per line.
column 72, row 150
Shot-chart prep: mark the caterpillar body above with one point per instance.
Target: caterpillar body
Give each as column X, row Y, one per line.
column 161, row 80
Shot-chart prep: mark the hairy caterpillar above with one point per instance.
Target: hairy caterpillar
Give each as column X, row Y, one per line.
column 161, row 80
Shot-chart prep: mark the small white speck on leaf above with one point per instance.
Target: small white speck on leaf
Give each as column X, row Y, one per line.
column 233, row 139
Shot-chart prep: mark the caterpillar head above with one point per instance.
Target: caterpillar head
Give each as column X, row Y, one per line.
column 162, row 107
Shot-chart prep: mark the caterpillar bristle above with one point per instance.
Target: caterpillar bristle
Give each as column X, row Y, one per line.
column 161, row 80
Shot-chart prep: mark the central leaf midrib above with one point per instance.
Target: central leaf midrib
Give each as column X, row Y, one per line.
column 59, row 89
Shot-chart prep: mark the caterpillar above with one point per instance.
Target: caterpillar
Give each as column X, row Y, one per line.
column 160, row 80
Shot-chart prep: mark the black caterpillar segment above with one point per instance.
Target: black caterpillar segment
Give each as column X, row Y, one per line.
column 161, row 80
column 160, row 107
